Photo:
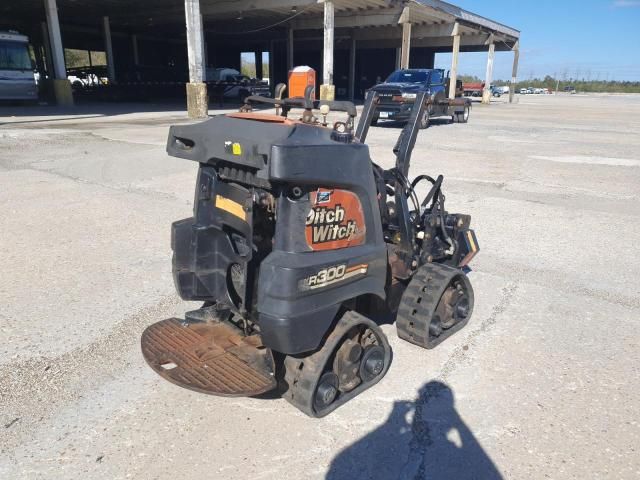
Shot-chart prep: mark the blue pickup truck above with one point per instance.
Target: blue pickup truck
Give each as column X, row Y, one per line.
column 398, row 92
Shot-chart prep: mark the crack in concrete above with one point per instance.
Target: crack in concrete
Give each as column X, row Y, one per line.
column 414, row 468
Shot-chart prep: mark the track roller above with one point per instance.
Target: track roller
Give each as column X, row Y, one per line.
column 354, row 357
column 437, row 303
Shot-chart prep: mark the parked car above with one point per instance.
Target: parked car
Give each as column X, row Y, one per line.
column 238, row 85
column 524, row 91
column 83, row 77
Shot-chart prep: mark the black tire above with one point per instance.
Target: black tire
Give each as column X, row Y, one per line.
column 374, row 121
column 425, row 120
column 417, row 320
column 463, row 117
column 304, row 374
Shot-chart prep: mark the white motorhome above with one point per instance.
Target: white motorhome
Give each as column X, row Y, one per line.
column 17, row 80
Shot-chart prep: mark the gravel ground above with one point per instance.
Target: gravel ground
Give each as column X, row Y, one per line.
column 543, row 382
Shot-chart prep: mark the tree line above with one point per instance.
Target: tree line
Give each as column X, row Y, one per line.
column 583, row 85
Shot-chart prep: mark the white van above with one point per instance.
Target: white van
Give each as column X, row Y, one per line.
column 17, row 81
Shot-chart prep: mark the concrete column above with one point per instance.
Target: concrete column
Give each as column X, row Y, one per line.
column 61, row 86
column 111, row 68
column 204, row 51
column 514, row 71
column 328, row 89
column 258, row 62
column 136, row 54
column 272, row 69
column 453, row 73
column 134, row 49
column 290, row 49
column 352, row 69
column 486, row 91
column 406, row 45
column 47, row 50
column 197, row 98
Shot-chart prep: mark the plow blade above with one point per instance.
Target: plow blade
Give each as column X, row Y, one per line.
column 209, row 357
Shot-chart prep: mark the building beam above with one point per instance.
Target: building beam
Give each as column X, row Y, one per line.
column 242, row 6
column 486, row 91
column 327, row 89
column 108, row 47
column 352, row 69
column 197, row 99
column 514, row 71
column 61, row 85
column 349, row 19
column 453, row 73
column 417, row 32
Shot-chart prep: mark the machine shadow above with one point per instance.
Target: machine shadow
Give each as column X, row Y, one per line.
column 424, row 439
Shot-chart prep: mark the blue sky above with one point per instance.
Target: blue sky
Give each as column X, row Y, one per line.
column 597, row 39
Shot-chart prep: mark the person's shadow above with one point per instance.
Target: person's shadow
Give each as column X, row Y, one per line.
column 425, row 439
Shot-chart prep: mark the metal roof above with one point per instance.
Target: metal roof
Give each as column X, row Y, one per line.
column 366, row 19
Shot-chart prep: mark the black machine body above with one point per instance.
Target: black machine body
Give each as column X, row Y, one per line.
column 296, row 237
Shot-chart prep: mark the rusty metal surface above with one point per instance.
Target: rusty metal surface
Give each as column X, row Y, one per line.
column 209, row 357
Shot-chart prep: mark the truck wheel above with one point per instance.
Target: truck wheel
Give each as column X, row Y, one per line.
column 374, row 121
column 463, row 117
column 424, row 121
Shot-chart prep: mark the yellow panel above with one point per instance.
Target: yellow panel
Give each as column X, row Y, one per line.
column 236, row 148
column 471, row 242
column 230, row 206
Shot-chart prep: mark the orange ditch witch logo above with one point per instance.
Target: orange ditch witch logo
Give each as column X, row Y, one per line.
column 335, row 220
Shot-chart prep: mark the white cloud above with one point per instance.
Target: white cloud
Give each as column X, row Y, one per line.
column 626, row 3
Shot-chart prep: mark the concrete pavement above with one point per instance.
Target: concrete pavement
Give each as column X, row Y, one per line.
column 542, row 383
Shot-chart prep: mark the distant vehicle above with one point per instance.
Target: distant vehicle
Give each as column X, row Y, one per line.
column 546, row 91
column 530, row 91
column 504, row 90
column 17, row 79
column 473, row 89
column 398, row 93
column 240, row 86
column 570, row 89
column 495, row 91
column 84, row 77
column 538, row 91
column 524, row 91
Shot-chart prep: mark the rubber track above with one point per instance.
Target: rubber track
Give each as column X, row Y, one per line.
column 420, row 300
column 303, row 373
